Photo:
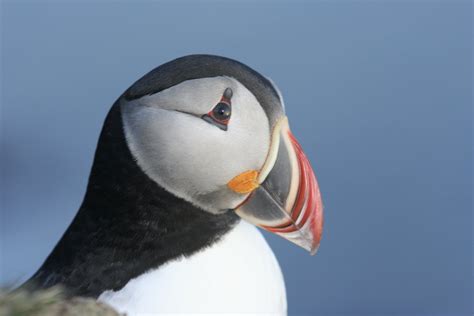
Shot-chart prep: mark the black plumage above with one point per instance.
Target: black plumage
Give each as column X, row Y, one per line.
column 126, row 225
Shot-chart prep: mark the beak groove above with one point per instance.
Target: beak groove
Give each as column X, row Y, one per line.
column 307, row 205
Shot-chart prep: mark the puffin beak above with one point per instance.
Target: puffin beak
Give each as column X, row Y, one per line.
column 284, row 195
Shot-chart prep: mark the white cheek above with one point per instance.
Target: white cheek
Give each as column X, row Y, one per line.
column 194, row 159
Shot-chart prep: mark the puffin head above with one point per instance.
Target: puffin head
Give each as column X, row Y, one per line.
column 213, row 132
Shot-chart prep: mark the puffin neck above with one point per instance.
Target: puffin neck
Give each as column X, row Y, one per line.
column 126, row 225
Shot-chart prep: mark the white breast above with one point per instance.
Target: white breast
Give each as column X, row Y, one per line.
column 238, row 274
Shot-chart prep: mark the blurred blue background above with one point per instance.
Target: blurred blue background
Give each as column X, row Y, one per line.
column 378, row 93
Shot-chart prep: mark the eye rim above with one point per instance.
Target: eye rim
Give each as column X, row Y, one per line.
column 212, row 113
column 210, row 117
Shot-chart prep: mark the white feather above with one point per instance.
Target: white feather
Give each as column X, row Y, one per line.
column 239, row 274
column 188, row 156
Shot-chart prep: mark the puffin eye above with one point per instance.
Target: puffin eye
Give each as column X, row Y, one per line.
column 220, row 114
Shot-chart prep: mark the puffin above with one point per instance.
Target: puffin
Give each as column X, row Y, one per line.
column 191, row 159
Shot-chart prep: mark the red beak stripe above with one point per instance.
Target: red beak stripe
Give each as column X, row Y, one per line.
column 306, row 204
